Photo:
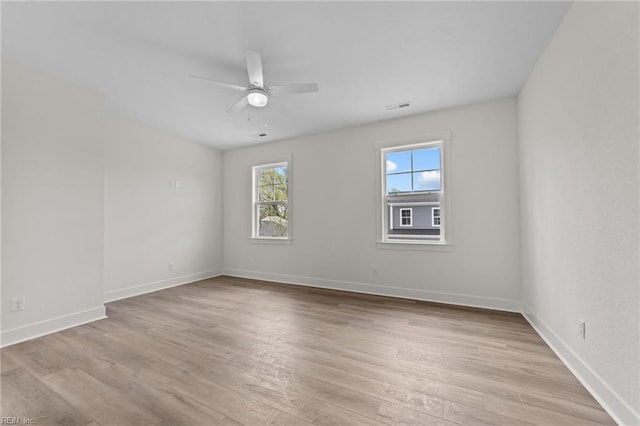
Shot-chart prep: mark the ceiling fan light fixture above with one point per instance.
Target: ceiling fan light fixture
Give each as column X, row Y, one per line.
column 257, row 98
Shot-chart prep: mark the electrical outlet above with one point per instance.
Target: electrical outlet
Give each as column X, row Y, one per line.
column 582, row 329
column 17, row 304
column 374, row 270
column 171, row 266
column 178, row 185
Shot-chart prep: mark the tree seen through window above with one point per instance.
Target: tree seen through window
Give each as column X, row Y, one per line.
column 272, row 201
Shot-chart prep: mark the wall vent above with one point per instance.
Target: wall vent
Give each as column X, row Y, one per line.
column 391, row 107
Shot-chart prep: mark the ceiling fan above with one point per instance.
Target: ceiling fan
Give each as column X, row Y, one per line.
column 257, row 94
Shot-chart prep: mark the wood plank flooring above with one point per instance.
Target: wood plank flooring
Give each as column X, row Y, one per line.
column 230, row 351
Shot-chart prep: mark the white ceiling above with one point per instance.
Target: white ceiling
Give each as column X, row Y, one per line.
column 363, row 55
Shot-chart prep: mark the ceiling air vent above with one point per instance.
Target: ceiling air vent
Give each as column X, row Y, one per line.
column 391, row 107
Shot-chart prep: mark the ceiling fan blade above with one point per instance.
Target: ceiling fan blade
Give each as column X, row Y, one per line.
column 220, row 83
column 293, row 89
column 254, row 68
column 243, row 102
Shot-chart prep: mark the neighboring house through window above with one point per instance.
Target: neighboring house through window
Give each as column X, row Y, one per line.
column 435, row 217
column 271, row 201
column 405, row 217
column 413, row 193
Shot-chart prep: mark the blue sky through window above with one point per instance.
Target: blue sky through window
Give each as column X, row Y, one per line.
column 426, row 159
column 399, row 183
column 426, row 181
column 399, row 161
column 413, row 170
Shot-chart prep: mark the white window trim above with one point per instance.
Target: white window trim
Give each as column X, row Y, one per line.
column 408, row 203
column 433, row 217
column 380, row 147
column 254, row 203
column 410, row 218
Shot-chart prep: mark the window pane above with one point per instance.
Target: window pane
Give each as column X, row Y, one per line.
column 265, row 177
column 272, row 220
column 397, row 162
column 426, row 181
column 414, row 224
column 405, row 217
column 426, row 159
column 280, row 193
column 435, row 217
column 280, row 174
column 399, row 183
column 266, row 193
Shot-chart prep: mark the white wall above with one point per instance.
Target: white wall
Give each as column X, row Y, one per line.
column 52, row 206
column 149, row 224
column 578, row 116
column 87, row 212
column 334, row 212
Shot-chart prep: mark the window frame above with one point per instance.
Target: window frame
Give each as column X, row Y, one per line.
column 445, row 242
column 255, row 203
column 433, row 217
column 410, row 217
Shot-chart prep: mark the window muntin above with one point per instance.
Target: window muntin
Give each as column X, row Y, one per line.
column 405, row 217
column 412, row 179
column 271, row 201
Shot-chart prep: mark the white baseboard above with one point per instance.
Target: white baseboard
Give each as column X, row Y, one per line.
column 500, row 304
column 31, row 331
column 621, row 412
column 111, row 296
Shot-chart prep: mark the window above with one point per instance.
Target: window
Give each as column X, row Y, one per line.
column 435, row 217
column 413, row 193
column 271, row 201
column 405, row 217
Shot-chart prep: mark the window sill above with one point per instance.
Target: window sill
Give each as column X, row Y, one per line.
column 414, row 245
column 265, row 240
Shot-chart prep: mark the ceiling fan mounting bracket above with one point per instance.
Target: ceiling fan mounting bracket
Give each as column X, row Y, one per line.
column 257, row 90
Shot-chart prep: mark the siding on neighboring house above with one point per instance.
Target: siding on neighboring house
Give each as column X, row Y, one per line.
column 420, row 214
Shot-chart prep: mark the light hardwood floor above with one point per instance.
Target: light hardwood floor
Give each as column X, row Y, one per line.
column 229, row 351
